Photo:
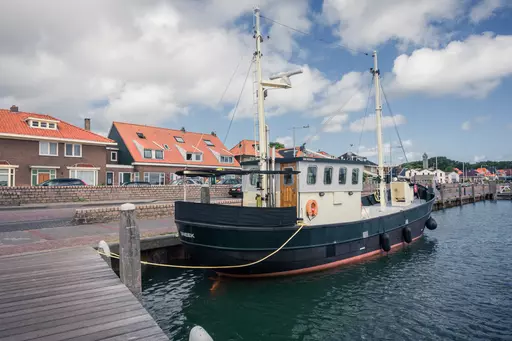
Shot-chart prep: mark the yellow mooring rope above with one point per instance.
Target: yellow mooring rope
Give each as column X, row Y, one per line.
column 116, row 256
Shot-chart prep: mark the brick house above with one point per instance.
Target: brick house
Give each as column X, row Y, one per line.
column 154, row 154
column 35, row 148
column 245, row 150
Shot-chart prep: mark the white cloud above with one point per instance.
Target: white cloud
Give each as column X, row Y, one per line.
column 334, row 124
column 466, row 125
column 286, row 140
column 369, row 123
column 143, row 61
column 478, row 158
column 482, row 119
column 485, row 9
column 472, row 67
column 365, row 24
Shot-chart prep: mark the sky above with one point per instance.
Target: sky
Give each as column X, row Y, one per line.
column 445, row 65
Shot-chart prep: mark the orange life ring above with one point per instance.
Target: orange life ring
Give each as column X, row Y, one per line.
column 311, row 208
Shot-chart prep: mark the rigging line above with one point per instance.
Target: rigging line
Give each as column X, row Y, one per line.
column 394, row 122
column 335, row 113
column 370, row 88
column 319, row 39
column 230, row 80
column 238, row 100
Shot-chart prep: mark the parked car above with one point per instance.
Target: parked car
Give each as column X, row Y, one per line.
column 63, row 182
column 229, row 181
column 189, row 182
column 136, row 183
column 236, row 191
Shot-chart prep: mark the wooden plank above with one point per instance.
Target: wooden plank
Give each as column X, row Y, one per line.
column 68, row 294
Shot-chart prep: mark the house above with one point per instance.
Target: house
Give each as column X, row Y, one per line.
column 35, row 148
column 245, row 150
column 439, row 176
column 453, row 177
column 370, row 168
column 154, row 154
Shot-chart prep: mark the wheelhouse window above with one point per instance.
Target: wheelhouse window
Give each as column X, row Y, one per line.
column 327, row 175
column 73, row 150
column 159, row 154
column 226, row 159
column 254, row 179
column 311, row 176
column 148, row 154
column 342, row 178
column 355, row 176
column 48, row 148
column 288, row 178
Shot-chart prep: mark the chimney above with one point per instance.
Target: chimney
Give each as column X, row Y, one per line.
column 213, row 133
column 183, row 129
column 14, row 108
column 87, row 123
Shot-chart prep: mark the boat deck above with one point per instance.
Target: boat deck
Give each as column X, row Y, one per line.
column 69, row 294
column 375, row 210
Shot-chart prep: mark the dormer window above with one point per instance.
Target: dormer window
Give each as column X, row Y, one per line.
column 198, row 157
column 179, row 139
column 42, row 123
column 226, row 159
column 51, row 125
column 209, row 143
column 148, row 154
column 35, row 124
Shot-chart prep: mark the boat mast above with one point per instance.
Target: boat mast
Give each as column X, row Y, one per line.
column 262, row 134
column 378, row 116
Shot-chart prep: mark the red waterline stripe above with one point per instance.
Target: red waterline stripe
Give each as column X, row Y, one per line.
column 40, row 234
column 318, row 267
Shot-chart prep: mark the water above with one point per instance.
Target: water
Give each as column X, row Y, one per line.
column 453, row 284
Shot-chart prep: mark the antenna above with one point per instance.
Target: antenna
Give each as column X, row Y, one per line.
column 282, row 79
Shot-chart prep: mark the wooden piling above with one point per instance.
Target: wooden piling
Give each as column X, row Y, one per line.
column 460, row 194
column 473, row 191
column 205, row 194
column 129, row 246
column 443, row 204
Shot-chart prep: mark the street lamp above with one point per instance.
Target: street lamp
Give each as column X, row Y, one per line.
column 295, row 128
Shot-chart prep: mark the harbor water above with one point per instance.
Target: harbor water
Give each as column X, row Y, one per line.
column 455, row 283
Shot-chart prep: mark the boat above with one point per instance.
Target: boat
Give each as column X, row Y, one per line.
column 301, row 214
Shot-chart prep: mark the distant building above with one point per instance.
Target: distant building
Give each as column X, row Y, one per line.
column 245, row 150
column 453, row 177
column 425, row 161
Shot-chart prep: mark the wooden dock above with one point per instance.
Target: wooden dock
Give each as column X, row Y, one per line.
column 68, row 294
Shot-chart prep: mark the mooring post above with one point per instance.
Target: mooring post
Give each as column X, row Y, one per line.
column 460, row 194
column 205, row 194
column 442, row 196
column 493, row 190
column 473, row 191
column 129, row 245
column 483, row 191
column 104, row 248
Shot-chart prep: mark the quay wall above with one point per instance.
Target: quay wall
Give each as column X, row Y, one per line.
column 23, row 195
column 152, row 211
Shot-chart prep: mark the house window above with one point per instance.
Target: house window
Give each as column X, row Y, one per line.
column 311, row 178
column 226, row 159
column 43, row 124
column 209, row 143
column 194, row 157
column 51, row 125
column 159, row 154
column 355, row 176
column 35, row 124
column 342, row 178
column 48, row 148
column 166, row 147
column 141, row 135
column 179, row 139
column 7, row 177
column 73, row 150
column 327, row 175
column 124, row 177
column 41, row 175
column 148, row 154
column 154, row 178
column 288, row 178
column 89, row 176
column 113, row 156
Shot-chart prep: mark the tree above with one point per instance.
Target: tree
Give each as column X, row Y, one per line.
column 278, row 145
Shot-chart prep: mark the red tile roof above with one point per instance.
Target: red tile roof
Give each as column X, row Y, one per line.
column 15, row 123
column 245, row 147
column 156, row 138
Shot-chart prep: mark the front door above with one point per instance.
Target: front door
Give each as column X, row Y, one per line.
column 42, row 177
column 110, row 178
column 288, row 186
